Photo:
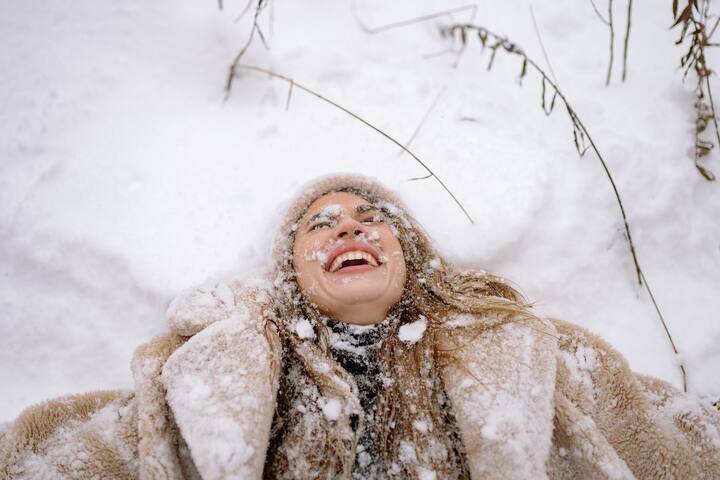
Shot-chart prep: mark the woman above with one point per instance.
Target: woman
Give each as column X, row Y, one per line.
column 364, row 354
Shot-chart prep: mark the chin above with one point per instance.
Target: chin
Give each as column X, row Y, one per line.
column 372, row 287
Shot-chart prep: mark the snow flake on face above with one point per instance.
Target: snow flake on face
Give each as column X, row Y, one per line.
column 317, row 256
column 434, row 263
column 411, row 333
column 330, row 211
column 304, row 328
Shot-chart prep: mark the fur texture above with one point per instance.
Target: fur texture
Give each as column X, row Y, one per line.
column 533, row 401
column 531, row 398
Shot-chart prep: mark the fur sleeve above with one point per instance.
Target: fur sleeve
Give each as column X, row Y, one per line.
column 658, row 431
column 221, row 386
column 92, row 435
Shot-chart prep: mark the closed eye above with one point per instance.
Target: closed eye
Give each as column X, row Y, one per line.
column 373, row 219
column 319, row 225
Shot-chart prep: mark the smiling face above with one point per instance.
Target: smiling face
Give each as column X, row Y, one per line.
column 347, row 259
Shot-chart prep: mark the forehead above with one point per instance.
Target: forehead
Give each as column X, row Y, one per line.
column 346, row 201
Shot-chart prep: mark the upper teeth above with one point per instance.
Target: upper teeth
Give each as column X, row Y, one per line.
column 354, row 255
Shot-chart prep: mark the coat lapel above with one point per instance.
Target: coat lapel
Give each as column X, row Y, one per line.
column 221, row 387
column 157, row 433
column 501, row 386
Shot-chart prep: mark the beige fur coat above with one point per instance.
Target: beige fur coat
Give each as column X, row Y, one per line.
column 533, row 400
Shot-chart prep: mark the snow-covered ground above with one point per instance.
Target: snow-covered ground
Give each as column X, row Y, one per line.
column 125, row 176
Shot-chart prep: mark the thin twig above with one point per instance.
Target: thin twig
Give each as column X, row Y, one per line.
column 362, row 120
column 667, row 331
column 694, row 28
column 598, row 13
column 420, row 178
column 236, row 61
column 424, row 119
column 712, row 109
column 412, row 21
column 244, row 11
column 712, row 30
column 542, row 45
column 627, row 39
column 612, row 42
column 404, row 23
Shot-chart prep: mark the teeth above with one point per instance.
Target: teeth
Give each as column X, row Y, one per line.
column 354, row 255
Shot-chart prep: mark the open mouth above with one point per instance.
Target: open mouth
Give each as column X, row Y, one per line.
column 352, row 258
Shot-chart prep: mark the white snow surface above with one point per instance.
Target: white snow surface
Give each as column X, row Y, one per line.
column 125, row 175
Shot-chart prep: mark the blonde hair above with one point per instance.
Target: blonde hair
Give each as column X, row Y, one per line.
column 307, row 444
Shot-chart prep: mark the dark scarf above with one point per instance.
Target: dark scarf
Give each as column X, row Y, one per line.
column 355, row 349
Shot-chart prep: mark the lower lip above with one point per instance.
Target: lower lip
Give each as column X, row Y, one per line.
column 356, row 269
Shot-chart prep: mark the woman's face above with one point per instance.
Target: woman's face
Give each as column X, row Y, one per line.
column 347, row 259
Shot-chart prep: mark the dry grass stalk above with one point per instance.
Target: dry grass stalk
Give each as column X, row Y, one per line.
column 693, row 21
column 424, row 119
column 403, row 23
column 259, row 7
column 581, row 137
column 293, row 84
column 611, row 26
column 627, row 39
column 542, row 46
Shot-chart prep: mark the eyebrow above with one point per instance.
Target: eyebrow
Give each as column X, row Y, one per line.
column 360, row 209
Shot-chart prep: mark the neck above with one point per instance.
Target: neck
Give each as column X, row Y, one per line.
column 362, row 316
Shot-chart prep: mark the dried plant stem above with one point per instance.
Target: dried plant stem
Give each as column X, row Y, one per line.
column 580, row 135
column 404, row 23
column 627, row 39
column 612, row 41
column 667, row 331
column 542, row 46
column 294, row 84
column 261, row 4
column 597, row 12
column 712, row 108
column 424, row 119
column 244, row 11
column 693, row 20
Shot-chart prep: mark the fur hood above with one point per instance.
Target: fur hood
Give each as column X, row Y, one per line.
column 532, row 398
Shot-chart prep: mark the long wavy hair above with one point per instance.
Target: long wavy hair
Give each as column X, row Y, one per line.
column 305, row 443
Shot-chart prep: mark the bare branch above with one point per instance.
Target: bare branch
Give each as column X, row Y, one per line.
column 261, row 4
column 405, row 23
column 692, row 22
column 612, row 42
column 424, row 119
column 542, row 46
column 597, row 11
column 627, row 39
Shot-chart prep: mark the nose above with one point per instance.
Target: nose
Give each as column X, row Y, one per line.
column 349, row 226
